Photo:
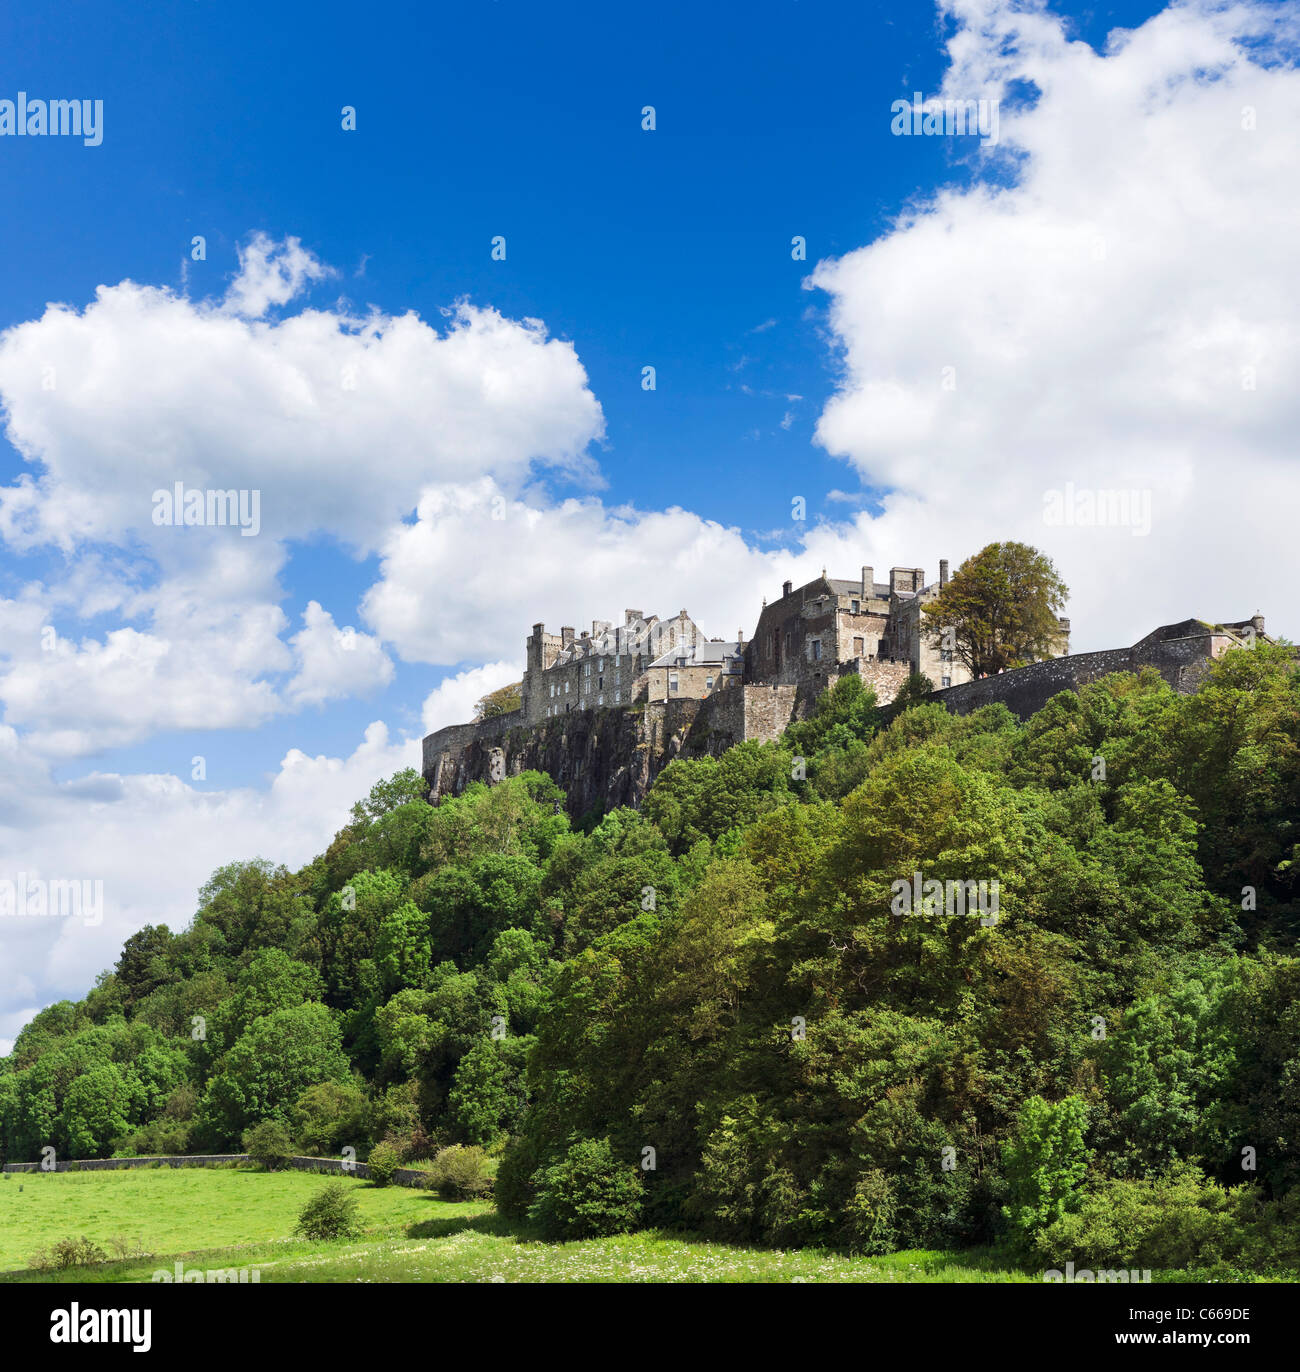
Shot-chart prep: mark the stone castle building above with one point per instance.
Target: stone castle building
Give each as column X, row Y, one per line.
column 653, row 683
column 807, row 639
column 641, row 659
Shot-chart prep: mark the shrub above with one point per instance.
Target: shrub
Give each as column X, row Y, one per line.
column 330, row 1213
column 329, row 1115
column 67, row 1253
column 1046, row 1162
column 513, row 1191
column 268, row 1144
column 459, row 1173
column 1179, row 1220
column 383, row 1162
column 870, row 1213
column 162, row 1137
column 588, row 1194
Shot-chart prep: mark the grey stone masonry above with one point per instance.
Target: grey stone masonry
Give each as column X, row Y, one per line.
column 1181, row 653
column 606, row 710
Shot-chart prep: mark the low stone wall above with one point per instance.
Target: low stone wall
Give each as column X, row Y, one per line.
column 118, row 1164
column 454, row 739
column 403, row 1176
column 1182, row 662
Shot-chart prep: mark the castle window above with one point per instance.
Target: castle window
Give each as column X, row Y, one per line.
column 859, row 647
column 708, row 683
column 566, row 688
column 855, row 606
column 815, row 649
column 947, row 681
column 618, row 697
column 672, row 681
column 600, row 700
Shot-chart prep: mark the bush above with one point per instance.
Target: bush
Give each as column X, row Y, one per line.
column 67, row 1253
column 513, row 1191
column 268, row 1144
column 1179, row 1220
column 330, row 1115
column 459, row 1173
column 870, row 1214
column 383, row 1162
column 587, row 1195
column 331, row 1213
column 1046, row 1163
column 158, row 1138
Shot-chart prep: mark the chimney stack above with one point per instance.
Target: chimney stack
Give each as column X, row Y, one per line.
column 868, row 582
column 943, row 572
column 787, row 588
column 566, row 635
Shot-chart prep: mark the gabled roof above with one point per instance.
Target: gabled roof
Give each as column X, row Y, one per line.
column 708, row 653
column 623, row 638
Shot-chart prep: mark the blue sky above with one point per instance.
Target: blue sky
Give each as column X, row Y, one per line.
column 1087, row 279
column 669, row 248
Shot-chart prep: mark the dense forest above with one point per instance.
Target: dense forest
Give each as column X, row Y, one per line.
column 769, row 1006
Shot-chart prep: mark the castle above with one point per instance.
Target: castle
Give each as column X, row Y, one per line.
column 602, row 711
column 807, row 639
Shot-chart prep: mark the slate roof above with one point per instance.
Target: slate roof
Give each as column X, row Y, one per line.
column 709, row 653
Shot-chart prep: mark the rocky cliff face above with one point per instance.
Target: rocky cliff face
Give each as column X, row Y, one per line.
column 600, row 758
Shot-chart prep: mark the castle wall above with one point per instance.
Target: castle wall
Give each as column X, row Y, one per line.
column 1182, row 662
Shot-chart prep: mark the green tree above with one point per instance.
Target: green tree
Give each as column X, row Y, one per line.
column 270, row 1065
column 1046, row 1162
column 95, row 1111
column 503, row 701
column 268, row 1144
column 1001, row 609
column 589, row 1194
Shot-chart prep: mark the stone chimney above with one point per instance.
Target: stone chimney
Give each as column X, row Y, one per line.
column 787, row 587
column 943, row 572
column 631, row 617
column 868, row 582
column 566, row 635
column 1257, row 622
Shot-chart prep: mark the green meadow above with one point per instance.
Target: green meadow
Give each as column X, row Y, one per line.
column 231, row 1218
column 221, row 1218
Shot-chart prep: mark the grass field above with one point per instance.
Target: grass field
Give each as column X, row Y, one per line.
column 219, row 1218
column 224, row 1218
column 169, row 1210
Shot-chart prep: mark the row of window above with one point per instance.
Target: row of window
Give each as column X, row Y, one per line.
column 600, row 702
